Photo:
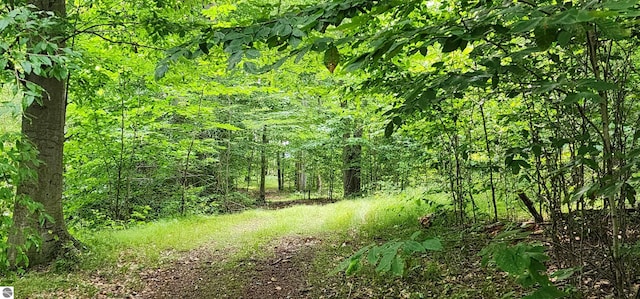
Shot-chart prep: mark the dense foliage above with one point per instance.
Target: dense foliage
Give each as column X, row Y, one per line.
column 175, row 108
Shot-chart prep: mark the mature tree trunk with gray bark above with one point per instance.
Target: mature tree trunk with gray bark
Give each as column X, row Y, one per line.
column 43, row 125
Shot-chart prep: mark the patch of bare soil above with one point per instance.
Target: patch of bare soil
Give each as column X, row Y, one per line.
column 285, row 274
column 185, row 278
column 203, row 274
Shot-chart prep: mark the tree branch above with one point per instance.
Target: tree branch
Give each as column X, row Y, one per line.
column 121, row 42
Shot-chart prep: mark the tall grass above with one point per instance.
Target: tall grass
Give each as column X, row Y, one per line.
column 248, row 231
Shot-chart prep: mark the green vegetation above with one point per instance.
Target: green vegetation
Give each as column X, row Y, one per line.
column 244, row 235
column 137, row 133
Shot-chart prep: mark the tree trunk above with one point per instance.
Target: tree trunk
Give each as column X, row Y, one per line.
column 301, row 178
column 490, row 157
column 351, row 160
column 530, row 207
column 43, row 125
column 250, row 163
column 280, row 173
column 263, row 166
column 283, row 170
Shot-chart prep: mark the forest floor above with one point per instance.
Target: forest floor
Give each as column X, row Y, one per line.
column 302, row 266
column 292, row 252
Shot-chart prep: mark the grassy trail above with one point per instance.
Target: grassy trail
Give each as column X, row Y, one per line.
column 200, row 256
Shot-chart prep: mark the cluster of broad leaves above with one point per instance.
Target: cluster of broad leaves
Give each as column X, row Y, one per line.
column 26, row 48
column 389, row 257
column 526, row 263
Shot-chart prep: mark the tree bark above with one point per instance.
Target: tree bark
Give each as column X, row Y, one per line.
column 351, row 160
column 263, row 166
column 301, row 177
column 488, row 148
column 280, row 172
column 530, row 207
column 43, row 125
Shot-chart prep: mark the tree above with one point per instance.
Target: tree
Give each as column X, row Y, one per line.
column 43, row 124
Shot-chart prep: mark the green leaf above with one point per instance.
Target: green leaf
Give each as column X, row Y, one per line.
column 387, row 259
column 537, row 253
column 572, row 98
column 228, row 127
column 412, row 246
column 353, row 266
column 563, row 274
column 294, row 41
column 234, row 59
column 433, row 244
column 388, row 130
column 512, row 260
column 204, row 48
column 250, row 67
column 4, row 23
column 301, row 52
column 298, row 33
column 252, row 53
column 619, row 4
column 46, row 60
column 614, row 30
column 536, row 149
column 26, row 67
column 564, row 37
column 263, row 33
column 602, row 86
column 161, row 70
column 545, row 36
column 453, row 43
column 397, row 266
column 373, row 256
column 331, row 58
column 572, row 16
column 525, row 25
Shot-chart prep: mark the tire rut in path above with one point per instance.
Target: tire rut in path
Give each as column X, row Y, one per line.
column 285, row 274
column 201, row 274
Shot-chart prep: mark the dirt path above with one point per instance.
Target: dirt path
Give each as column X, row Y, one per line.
column 208, row 273
column 202, row 274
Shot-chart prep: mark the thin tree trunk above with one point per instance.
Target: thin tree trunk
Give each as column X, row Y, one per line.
column 530, row 207
column 490, row 156
column 608, row 161
column 301, row 178
column 331, row 175
column 263, row 166
column 250, row 164
column 280, row 177
column 282, row 171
